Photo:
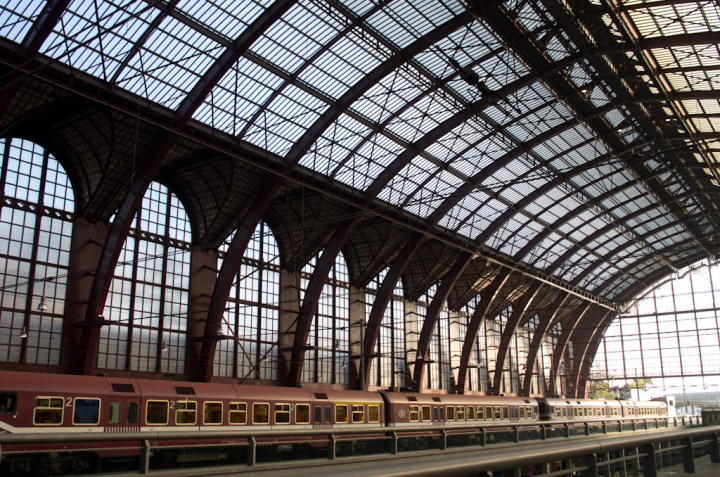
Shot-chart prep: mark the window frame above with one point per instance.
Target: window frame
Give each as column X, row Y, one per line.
column 347, row 415
column 178, row 411
column 267, row 423
column 231, row 411
column 283, row 411
column 297, row 408
column 449, row 413
column 49, row 398
column 99, row 414
column 222, row 409
column 377, row 408
column 361, row 412
column 416, row 412
column 167, row 412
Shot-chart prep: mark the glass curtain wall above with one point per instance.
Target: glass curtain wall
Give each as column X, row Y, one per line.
column 327, row 355
column 35, row 236
column 149, row 292
column 387, row 368
column 251, row 319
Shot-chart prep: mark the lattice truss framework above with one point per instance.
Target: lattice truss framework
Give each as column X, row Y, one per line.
column 572, row 142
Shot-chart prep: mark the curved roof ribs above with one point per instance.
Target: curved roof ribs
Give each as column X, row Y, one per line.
column 443, row 291
column 584, row 349
column 560, row 349
column 488, row 296
column 547, row 321
column 535, row 60
column 520, row 309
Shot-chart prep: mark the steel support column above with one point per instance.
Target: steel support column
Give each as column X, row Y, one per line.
column 559, row 351
column 488, row 296
column 519, row 310
column 584, row 349
column 447, row 285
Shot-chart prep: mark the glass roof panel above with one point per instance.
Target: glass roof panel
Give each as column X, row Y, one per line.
column 17, row 16
column 461, row 139
column 548, row 251
column 291, row 41
column 481, row 155
column 428, row 197
column 367, row 164
column 335, row 145
column 227, row 19
column 169, row 63
column 404, row 20
column 423, row 116
column 507, row 230
column 521, row 237
column 392, row 93
column 237, row 97
column 479, row 221
column 97, row 40
column 407, row 180
column 574, row 266
column 285, row 120
column 462, row 210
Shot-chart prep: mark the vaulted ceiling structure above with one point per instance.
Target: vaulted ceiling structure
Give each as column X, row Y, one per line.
column 572, row 144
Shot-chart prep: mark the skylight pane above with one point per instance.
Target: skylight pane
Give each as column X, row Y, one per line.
column 228, row 19
column 17, row 17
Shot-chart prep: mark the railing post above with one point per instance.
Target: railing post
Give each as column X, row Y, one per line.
column 394, row 444
column 587, row 428
column 145, row 457
column 714, row 448
column 589, row 461
column 634, row 424
column 483, row 437
column 443, row 439
column 517, row 434
column 543, row 432
column 649, row 462
column 567, row 430
column 604, row 427
column 252, row 451
column 688, row 456
column 331, row 447
column 545, row 468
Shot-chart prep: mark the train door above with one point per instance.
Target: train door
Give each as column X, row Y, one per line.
column 123, row 415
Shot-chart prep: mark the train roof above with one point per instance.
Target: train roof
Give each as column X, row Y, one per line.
column 52, row 384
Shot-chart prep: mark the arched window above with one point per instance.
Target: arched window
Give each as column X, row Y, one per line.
column 387, row 367
column 326, row 359
column 250, row 321
column 35, row 236
column 149, row 293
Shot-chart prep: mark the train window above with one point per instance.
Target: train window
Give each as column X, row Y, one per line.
column 471, row 413
column 498, row 413
column 49, row 411
column 261, row 413
column 558, row 412
column 8, row 402
column 489, row 413
column 114, row 413
column 156, row 412
column 238, row 413
column 442, row 414
column 374, row 413
column 132, row 413
column 426, row 413
column 521, row 412
column 328, row 416
column 450, row 413
column 302, row 413
column 414, row 413
column 318, row 415
column 282, row 413
column 506, row 412
column 341, row 413
column 186, row 413
column 575, row 412
column 358, row 413
column 461, row 413
column 435, row 414
column 212, row 413
column 480, row 414
column 86, row 411
column 564, row 411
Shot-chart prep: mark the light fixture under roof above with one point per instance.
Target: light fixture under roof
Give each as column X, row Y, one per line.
column 23, row 334
column 164, row 347
column 42, row 306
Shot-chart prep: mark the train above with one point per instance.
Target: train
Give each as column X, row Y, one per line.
column 43, row 403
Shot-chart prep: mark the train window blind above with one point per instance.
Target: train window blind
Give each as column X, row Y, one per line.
column 8, row 403
column 86, row 412
column 373, row 413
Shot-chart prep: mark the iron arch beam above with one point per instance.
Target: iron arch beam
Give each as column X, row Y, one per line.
column 546, row 322
column 443, row 291
column 519, row 310
column 488, row 296
column 42, row 27
column 230, row 56
column 86, row 355
column 561, row 345
column 585, row 353
column 313, row 293
column 384, row 294
column 228, row 271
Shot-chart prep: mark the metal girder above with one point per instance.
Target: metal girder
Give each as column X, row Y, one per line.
column 520, row 308
column 42, row 27
column 671, row 41
column 105, row 270
column 312, row 295
column 230, row 56
column 547, row 321
column 488, row 296
column 584, row 352
column 230, row 266
column 433, row 311
column 561, row 346
column 384, row 294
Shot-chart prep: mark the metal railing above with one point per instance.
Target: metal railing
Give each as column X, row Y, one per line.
column 155, row 450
